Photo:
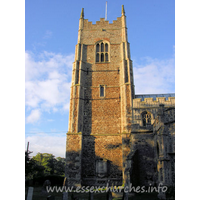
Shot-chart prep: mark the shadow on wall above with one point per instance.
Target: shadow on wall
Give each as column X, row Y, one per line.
column 85, row 166
column 94, row 169
column 97, row 170
column 143, row 169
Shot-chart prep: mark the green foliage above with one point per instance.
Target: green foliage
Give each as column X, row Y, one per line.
column 42, row 165
column 60, row 166
column 51, row 165
column 47, row 161
column 30, row 165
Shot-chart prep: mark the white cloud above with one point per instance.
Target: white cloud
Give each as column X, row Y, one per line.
column 154, row 76
column 44, row 143
column 48, row 80
column 66, row 106
column 34, row 116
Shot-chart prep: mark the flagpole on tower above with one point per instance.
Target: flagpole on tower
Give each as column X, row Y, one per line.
column 106, row 12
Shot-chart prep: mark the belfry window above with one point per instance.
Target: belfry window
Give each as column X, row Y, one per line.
column 146, row 118
column 102, row 52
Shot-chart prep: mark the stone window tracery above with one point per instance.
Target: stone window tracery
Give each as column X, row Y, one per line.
column 102, row 52
column 146, row 118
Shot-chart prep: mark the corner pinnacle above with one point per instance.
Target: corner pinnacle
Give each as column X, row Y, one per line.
column 82, row 13
column 123, row 12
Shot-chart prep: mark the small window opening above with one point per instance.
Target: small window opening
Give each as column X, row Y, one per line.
column 101, row 91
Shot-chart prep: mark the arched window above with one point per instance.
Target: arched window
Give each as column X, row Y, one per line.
column 97, row 48
column 102, row 57
column 146, row 118
column 97, row 57
column 102, row 47
column 106, row 57
column 102, row 52
column 106, row 47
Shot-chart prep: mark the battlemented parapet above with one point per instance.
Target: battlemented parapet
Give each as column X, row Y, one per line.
column 145, row 109
column 102, row 30
column 102, row 22
column 150, row 102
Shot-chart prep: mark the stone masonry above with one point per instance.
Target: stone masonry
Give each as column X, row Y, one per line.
column 96, row 123
column 115, row 135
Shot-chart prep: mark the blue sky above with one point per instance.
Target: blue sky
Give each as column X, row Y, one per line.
column 51, row 32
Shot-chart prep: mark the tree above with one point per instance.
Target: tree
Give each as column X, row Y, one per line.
column 51, row 164
column 32, row 167
column 60, row 166
column 43, row 164
column 28, row 165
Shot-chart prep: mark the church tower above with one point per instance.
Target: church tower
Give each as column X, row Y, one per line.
column 102, row 92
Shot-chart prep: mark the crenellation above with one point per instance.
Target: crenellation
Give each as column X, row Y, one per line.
column 172, row 99
column 102, row 24
column 149, row 102
column 161, row 99
column 118, row 21
column 102, row 19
